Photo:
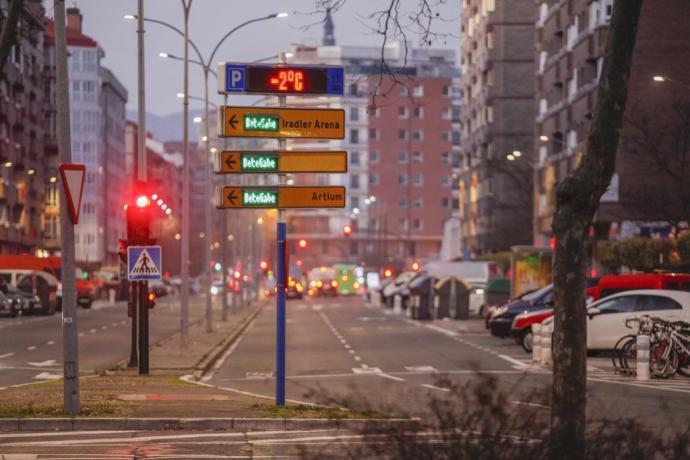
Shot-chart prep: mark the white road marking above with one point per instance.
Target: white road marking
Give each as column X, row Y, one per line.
column 47, row 363
column 258, row 375
column 519, row 364
column 346, row 345
column 81, row 334
column 31, row 348
column 47, row 376
column 442, row 330
column 50, row 342
column 366, row 370
column 6, row 355
column 357, row 358
column 352, row 352
column 525, row 403
column 104, row 328
column 364, row 366
column 421, row 368
column 434, row 387
column 114, row 324
column 92, row 331
column 392, row 377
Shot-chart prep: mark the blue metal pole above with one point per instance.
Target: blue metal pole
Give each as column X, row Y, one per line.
column 280, row 313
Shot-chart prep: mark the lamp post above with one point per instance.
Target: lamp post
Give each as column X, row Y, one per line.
column 206, row 66
column 666, row 79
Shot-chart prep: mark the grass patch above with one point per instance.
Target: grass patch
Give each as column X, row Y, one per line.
column 43, row 410
column 304, row 411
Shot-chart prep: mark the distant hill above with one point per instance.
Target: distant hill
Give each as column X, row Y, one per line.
column 168, row 127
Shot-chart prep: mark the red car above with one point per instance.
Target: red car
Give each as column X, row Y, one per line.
column 521, row 330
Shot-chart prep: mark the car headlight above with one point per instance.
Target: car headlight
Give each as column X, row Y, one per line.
column 214, row 290
column 499, row 311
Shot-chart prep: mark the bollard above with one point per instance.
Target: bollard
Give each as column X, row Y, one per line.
column 642, row 345
column 397, row 304
column 536, row 342
column 547, row 331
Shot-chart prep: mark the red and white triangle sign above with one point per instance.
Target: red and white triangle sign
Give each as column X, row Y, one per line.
column 72, row 176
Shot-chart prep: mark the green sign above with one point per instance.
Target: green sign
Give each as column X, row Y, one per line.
column 259, row 198
column 261, row 122
column 259, row 162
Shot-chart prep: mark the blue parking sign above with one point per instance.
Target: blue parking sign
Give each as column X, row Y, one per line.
column 235, row 78
column 144, row 263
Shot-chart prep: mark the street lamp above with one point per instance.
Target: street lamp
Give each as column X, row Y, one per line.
column 666, row 79
column 206, row 66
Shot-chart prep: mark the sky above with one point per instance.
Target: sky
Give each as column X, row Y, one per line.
column 209, row 21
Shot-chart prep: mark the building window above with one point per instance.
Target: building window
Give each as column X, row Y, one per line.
column 418, row 90
column 445, row 158
column 373, row 134
column 402, row 179
column 402, row 203
column 373, row 179
column 354, row 113
column 354, row 202
column 445, row 202
column 402, row 158
column 354, row 181
column 447, row 113
column 455, row 140
column 418, row 203
column 354, row 91
column 402, row 112
column 354, row 158
column 418, row 135
column 419, row 112
column 417, row 157
column 445, row 137
column 354, row 136
column 418, row 180
column 445, row 181
column 417, row 224
column 373, row 156
column 445, row 90
column 402, row 90
column 402, row 223
column 402, row 134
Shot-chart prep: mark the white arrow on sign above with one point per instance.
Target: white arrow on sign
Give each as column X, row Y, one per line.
column 50, row 362
column 47, row 376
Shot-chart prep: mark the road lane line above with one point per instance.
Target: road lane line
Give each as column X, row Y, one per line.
column 392, row 377
column 50, row 342
column 525, row 403
column 31, row 348
column 81, row 334
column 93, row 331
column 6, row 355
column 357, row 358
column 434, row 387
column 225, row 356
column 520, row 364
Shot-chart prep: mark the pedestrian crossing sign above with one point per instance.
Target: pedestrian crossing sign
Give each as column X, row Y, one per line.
column 143, row 263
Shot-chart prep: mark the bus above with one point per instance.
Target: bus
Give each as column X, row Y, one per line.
column 348, row 282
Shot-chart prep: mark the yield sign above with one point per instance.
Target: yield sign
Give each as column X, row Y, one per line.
column 72, row 175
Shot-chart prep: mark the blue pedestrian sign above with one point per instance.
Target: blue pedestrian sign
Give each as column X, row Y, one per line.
column 285, row 79
column 144, row 263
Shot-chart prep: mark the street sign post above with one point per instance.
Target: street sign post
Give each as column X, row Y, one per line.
column 235, row 162
column 282, row 197
column 281, row 122
column 236, row 78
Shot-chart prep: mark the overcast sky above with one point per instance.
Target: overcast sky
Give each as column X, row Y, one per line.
column 209, row 21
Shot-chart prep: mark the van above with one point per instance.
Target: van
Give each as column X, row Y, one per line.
column 37, row 283
column 613, row 284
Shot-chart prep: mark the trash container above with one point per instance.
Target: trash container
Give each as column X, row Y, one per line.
column 421, row 297
column 451, row 298
column 497, row 291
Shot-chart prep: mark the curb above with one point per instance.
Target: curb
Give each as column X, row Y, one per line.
column 207, row 362
column 203, row 424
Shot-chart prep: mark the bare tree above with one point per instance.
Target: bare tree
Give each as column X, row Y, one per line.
column 577, row 199
column 8, row 35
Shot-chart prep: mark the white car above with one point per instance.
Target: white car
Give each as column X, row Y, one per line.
column 606, row 318
column 477, row 298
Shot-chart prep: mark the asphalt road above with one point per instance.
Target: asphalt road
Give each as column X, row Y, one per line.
column 31, row 347
column 345, row 350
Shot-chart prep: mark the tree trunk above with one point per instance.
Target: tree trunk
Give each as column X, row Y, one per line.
column 577, row 199
column 8, row 36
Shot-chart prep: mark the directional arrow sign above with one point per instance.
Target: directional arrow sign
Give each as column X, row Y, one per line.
column 282, row 197
column 233, row 162
column 281, row 122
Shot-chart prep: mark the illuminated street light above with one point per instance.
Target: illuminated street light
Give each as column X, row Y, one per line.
column 159, row 202
column 180, row 95
column 31, row 172
column 544, row 138
column 510, row 157
column 260, row 220
column 168, row 211
column 282, row 15
column 164, row 56
column 517, row 153
column 231, row 237
column 129, row 17
column 178, row 237
column 659, row 78
column 8, row 164
column 204, row 138
column 52, row 180
column 197, row 119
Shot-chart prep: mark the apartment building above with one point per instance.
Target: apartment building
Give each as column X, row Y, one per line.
column 497, row 90
column 570, row 44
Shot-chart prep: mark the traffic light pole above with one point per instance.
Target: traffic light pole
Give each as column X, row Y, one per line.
column 70, row 340
column 133, row 301
column 281, row 269
column 143, row 327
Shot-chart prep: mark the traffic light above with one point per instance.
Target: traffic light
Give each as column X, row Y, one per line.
column 302, row 243
column 139, row 217
column 388, row 273
column 347, row 230
column 151, row 300
column 263, row 265
column 415, row 266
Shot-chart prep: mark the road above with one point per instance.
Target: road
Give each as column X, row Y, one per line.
column 347, row 350
column 31, row 347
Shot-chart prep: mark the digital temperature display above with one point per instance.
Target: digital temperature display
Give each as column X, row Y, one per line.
column 274, row 79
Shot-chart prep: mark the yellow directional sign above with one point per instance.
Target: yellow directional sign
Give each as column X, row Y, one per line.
column 282, row 197
column 234, row 162
column 281, row 122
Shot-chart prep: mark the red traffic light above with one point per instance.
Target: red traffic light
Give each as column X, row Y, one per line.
column 302, row 244
column 347, row 230
column 237, row 274
column 263, row 265
column 388, row 273
column 415, row 266
column 142, row 201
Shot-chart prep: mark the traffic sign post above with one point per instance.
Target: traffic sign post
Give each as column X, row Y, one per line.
column 235, row 78
column 237, row 162
column 281, row 122
column 282, row 197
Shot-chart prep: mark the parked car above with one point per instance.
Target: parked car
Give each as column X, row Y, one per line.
column 8, row 307
column 613, row 284
column 606, row 317
column 477, row 298
column 29, row 303
column 502, row 318
column 35, row 283
column 521, row 329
